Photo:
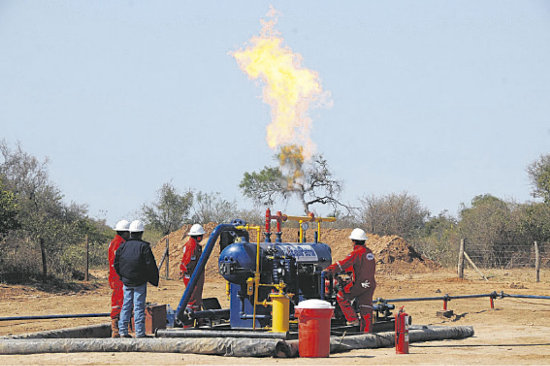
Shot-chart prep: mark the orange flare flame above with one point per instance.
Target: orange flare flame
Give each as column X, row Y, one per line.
column 289, row 88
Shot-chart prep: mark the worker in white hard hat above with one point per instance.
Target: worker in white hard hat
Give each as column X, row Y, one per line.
column 136, row 265
column 192, row 251
column 117, row 295
column 362, row 265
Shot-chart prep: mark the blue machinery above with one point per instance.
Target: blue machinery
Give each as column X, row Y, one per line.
column 259, row 272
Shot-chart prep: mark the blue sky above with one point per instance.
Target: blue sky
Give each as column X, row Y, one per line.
column 443, row 99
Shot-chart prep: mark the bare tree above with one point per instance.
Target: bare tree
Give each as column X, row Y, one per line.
column 211, row 207
column 310, row 181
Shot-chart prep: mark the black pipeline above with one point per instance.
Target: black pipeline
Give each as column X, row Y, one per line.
column 446, row 298
column 58, row 316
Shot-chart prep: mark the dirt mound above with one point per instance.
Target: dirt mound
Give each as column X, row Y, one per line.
column 393, row 254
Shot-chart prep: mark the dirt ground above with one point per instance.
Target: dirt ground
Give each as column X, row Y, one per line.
column 517, row 331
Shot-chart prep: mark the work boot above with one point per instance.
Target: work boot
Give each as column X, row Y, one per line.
column 114, row 328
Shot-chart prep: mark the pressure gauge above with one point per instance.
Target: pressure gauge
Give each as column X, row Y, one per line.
column 305, row 226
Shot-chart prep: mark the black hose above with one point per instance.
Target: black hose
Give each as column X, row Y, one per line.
column 197, row 333
column 210, row 314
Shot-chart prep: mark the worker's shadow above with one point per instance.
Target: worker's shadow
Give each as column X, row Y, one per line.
column 457, row 317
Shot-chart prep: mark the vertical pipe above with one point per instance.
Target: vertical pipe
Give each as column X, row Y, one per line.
column 268, row 225
column 322, row 287
column 267, row 220
column 87, row 259
column 492, row 303
column 445, row 304
column 256, row 280
column 461, row 258
column 279, row 232
column 537, row 262
column 167, row 258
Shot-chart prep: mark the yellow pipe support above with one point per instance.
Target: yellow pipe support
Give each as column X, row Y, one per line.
column 257, row 272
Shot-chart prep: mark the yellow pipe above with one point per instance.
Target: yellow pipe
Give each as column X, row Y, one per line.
column 310, row 219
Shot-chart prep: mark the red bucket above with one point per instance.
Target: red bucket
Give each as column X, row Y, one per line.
column 314, row 327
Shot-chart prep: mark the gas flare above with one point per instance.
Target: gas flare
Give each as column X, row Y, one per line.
column 291, row 161
column 289, row 88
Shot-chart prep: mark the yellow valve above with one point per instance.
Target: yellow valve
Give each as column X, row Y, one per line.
column 249, row 286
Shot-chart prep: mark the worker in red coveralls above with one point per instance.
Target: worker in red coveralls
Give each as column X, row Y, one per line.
column 192, row 251
column 122, row 234
column 362, row 265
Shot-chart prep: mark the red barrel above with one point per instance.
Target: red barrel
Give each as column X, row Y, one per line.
column 402, row 321
column 314, row 327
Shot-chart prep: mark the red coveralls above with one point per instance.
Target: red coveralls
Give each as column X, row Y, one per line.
column 114, row 280
column 191, row 254
column 361, row 262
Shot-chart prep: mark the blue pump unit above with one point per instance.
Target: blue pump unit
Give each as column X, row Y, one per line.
column 295, row 269
column 298, row 265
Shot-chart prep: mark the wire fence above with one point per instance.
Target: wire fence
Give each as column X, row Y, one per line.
column 506, row 256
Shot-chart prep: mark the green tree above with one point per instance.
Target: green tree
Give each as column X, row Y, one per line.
column 438, row 238
column 535, row 221
column 394, row 214
column 8, row 210
column 310, row 181
column 539, row 174
column 170, row 211
column 43, row 216
column 491, row 227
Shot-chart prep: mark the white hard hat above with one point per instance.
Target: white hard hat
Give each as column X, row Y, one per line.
column 122, row 225
column 358, row 234
column 136, row 226
column 196, row 230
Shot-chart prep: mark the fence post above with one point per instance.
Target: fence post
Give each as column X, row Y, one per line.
column 87, row 258
column 537, row 262
column 167, row 259
column 474, row 265
column 461, row 259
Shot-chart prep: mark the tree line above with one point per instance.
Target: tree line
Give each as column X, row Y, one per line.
column 499, row 232
column 41, row 236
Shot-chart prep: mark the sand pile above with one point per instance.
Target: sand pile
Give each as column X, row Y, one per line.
column 393, row 254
